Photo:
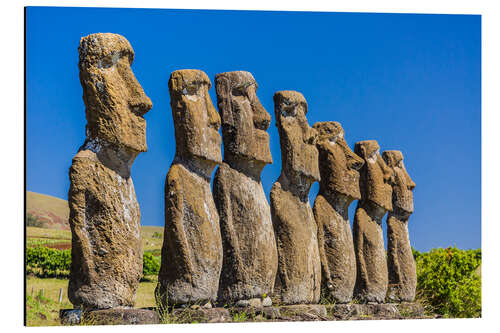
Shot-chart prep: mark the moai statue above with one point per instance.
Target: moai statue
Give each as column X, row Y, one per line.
column 106, row 255
column 299, row 267
column 250, row 257
column 400, row 262
column 191, row 258
column 376, row 196
column 339, row 186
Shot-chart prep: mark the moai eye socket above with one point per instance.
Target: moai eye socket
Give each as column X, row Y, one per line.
column 373, row 156
column 288, row 111
column 239, row 91
column 190, row 90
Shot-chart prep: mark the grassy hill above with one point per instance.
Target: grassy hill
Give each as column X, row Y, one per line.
column 51, row 212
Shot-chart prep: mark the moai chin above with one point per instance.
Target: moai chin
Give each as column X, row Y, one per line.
column 250, row 257
column 400, row 261
column 104, row 214
column 192, row 245
column 339, row 186
column 299, row 267
column 376, row 200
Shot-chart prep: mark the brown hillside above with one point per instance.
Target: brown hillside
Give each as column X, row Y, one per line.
column 54, row 212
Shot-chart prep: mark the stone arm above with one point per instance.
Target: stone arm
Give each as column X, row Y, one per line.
column 318, row 216
column 174, row 212
column 222, row 196
column 359, row 238
column 282, row 236
column 396, row 267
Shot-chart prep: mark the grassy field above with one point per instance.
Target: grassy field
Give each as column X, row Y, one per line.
column 44, row 311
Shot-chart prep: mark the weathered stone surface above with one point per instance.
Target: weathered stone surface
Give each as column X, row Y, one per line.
column 400, row 261
column 192, row 246
column 104, row 213
column 214, row 315
column 253, row 302
column 376, row 194
column 250, row 257
column 299, row 267
column 70, row 316
column 348, row 311
column 267, row 301
column 315, row 309
column 120, row 317
column 339, row 186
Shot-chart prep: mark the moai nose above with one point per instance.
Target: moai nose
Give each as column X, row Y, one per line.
column 261, row 118
column 213, row 116
column 139, row 102
column 354, row 161
column 411, row 184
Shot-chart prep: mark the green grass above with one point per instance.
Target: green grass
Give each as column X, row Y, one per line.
column 150, row 238
column 32, row 242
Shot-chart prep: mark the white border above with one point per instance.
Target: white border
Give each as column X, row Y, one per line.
column 12, row 88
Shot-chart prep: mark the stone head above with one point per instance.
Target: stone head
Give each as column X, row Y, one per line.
column 299, row 156
column 403, row 185
column 375, row 176
column 196, row 121
column 338, row 165
column 115, row 102
column 244, row 119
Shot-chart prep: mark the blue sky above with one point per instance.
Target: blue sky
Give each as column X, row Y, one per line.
column 412, row 82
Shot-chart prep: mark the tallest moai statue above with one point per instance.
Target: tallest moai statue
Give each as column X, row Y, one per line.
column 104, row 214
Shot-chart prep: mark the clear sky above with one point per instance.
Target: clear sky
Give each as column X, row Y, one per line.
column 411, row 82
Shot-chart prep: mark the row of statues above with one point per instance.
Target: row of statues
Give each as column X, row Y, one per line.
column 228, row 244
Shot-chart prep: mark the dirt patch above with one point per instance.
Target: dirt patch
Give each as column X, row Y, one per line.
column 59, row 246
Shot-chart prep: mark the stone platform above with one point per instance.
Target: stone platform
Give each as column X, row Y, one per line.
column 110, row 317
column 300, row 312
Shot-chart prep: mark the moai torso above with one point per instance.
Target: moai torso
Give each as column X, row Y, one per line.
column 375, row 179
column 339, row 186
column 104, row 214
column 299, row 267
column 192, row 248
column 250, row 255
column 400, row 261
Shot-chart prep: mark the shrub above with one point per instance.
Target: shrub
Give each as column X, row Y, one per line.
column 34, row 221
column 447, row 281
column 46, row 262
column 150, row 265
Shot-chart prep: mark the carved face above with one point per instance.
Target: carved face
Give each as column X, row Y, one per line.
column 402, row 188
column 376, row 176
column 297, row 138
column 338, row 164
column 196, row 121
column 244, row 119
column 115, row 102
